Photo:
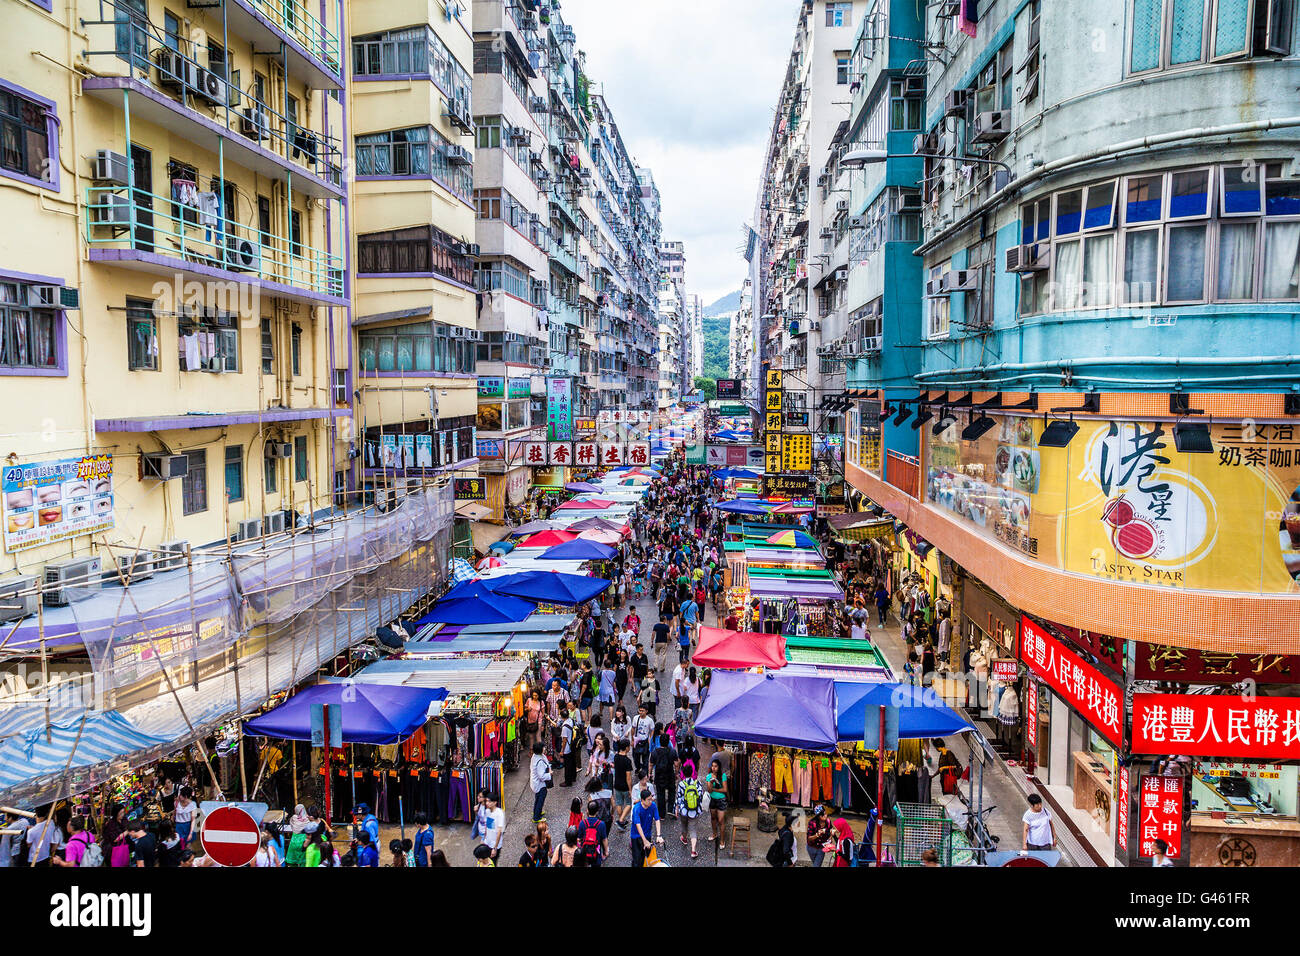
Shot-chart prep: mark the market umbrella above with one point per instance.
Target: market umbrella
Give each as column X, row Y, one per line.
column 578, row 550
column 920, row 712
column 552, row 587
column 491, row 561
column 590, row 504
column 531, row 527
column 368, row 713
column 792, row 539
column 743, row 506
column 578, row 487
column 547, row 539
column 596, row 523
column 602, row 537
column 790, row 508
column 497, row 609
column 502, row 547
column 738, row 649
column 632, row 479
column 780, row 709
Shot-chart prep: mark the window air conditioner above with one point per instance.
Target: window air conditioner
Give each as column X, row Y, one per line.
column 72, row 579
column 458, row 155
column 159, row 467
column 210, row 86
column 111, row 167
column 174, row 71
column 254, row 123
column 991, row 127
column 841, row 275
column 954, row 104
column 18, row 597
column 133, row 567
column 279, row 449
column 914, row 86
column 871, row 344
column 964, row 280
column 243, row 255
column 273, row 523
column 936, row 287
column 171, row 554
column 1031, row 257
column 842, row 205
column 857, row 222
column 112, row 210
column 910, row 202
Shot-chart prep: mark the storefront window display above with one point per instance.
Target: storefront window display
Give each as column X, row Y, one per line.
column 1242, row 787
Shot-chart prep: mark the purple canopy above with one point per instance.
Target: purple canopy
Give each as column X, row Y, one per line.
column 779, row 709
column 580, row 487
column 371, row 713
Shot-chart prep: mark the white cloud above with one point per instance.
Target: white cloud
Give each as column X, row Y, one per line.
column 692, row 84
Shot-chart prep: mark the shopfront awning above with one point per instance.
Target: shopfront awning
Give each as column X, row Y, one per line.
column 474, row 675
column 770, row 709
column 75, row 741
column 738, row 649
column 369, row 715
column 781, row 586
column 920, row 712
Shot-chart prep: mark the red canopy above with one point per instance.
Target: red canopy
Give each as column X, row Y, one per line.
column 574, row 504
column 547, row 539
column 738, row 649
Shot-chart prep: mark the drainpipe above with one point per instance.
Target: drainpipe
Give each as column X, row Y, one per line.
column 1144, row 142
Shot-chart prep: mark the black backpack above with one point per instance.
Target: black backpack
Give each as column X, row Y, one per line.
column 776, row 855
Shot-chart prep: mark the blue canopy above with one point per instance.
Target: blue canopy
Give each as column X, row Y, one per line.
column 554, row 587
column 778, row 709
column 579, row 549
column 473, row 602
column 920, row 712
column 742, row 506
column 371, row 713
column 86, row 738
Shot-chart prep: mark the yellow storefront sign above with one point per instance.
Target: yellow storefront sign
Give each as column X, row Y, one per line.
column 1121, row 502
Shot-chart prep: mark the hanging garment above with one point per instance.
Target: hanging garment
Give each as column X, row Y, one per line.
column 821, row 779
column 782, row 777
column 802, row 779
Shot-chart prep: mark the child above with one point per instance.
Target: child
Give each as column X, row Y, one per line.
column 575, row 812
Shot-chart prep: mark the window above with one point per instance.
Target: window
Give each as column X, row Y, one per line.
column 27, row 138
column 839, row 14
column 28, row 333
column 980, row 258
column 416, row 347
column 1030, row 65
column 234, row 473
column 1223, row 234
column 417, row 151
column 843, row 66
column 905, row 109
column 194, row 486
column 1167, row 34
column 268, row 348
column 171, row 31
column 208, row 342
column 415, row 51
column 270, row 473
column 141, row 336
column 939, row 307
column 299, row 457
column 295, row 233
column 295, row 348
column 421, row 250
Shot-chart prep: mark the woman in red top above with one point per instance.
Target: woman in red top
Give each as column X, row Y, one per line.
column 633, row 622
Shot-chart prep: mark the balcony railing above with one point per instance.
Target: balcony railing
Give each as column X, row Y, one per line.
column 150, row 54
column 125, row 218
column 903, row 472
column 296, row 20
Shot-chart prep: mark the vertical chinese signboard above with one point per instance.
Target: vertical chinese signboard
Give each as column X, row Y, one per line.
column 1122, row 804
column 1217, row 725
column 559, row 409
column 796, row 453
column 1160, row 815
column 773, row 404
column 1031, row 715
column 1080, row 684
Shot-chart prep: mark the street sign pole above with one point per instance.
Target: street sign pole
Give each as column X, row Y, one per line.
column 880, row 791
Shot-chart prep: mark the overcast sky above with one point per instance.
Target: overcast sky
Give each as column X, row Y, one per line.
column 692, row 84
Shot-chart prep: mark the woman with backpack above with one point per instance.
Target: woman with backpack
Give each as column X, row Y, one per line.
column 715, row 784
column 781, row 852
column 689, row 804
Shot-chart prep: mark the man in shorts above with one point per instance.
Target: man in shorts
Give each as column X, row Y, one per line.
column 623, row 784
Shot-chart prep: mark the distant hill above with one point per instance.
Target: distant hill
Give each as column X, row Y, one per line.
column 728, row 303
column 717, row 345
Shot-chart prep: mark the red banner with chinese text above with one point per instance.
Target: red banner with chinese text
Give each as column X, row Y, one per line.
column 1197, row 725
column 1080, row 684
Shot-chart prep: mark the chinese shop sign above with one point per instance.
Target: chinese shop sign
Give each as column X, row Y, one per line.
column 1160, row 814
column 1005, row 671
column 470, row 489
column 1080, row 684
column 1123, row 801
column 559, row 409
column 728, row 388
column 1217, row 726
column 1165, row 662
column 796, row 453
column 1121, row 503
column 1031, row 713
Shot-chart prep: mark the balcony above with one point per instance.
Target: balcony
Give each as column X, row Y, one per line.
column 291, row 30
column 196, row 101
column 139, row 230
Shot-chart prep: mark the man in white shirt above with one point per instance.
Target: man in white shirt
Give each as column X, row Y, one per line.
column 679, row 679
column 11, row 844
column 539, row 778
column 1039, row 833
column 494, row 825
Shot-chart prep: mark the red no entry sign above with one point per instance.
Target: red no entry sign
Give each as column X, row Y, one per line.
column 230, row 836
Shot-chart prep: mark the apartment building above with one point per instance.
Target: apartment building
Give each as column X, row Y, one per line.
column 1100, row 468
column 804, row 221
column 177, row 348
column 414, row 199
column 673, row 324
